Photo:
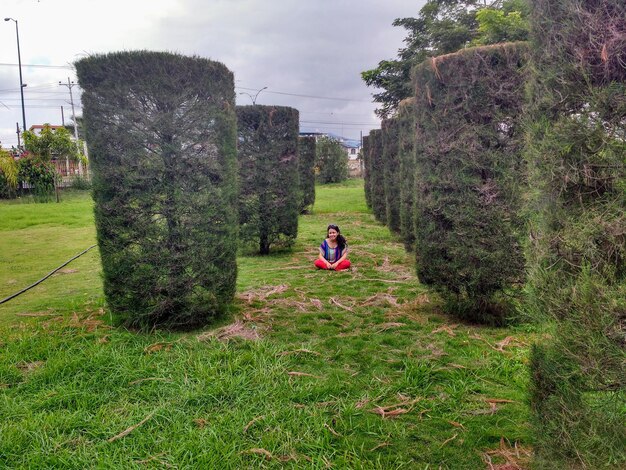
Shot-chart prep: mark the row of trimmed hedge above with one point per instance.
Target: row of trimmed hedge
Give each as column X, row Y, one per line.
column 177, row 168
column 446, row 177
column 511, row 191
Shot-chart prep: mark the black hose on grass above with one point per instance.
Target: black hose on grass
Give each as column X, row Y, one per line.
column 45, row 277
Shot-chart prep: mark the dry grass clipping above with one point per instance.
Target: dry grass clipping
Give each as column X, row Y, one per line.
column 238, row 329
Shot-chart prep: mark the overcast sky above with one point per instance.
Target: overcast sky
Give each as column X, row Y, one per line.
column 303, row 51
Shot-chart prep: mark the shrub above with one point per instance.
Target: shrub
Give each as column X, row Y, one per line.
column 40, row 175
column 269, row 200
column 306, row 171
column 468, row 169
column 406, row 155
column 391, row 177
column 331, row 161
column 367, row 170
column 377, row 176
column 577, row 249
column 9, row 170
column 161, row 130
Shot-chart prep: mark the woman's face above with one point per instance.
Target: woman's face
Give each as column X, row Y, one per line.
column 332, row 234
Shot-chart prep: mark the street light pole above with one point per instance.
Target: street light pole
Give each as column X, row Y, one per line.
column 19, row 62
column 253, row 98
column 69, row 86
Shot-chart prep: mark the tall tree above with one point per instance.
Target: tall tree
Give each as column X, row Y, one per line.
column 442, row 26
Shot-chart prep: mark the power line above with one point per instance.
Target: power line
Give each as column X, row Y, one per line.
column 306, row 96
column 71, row 67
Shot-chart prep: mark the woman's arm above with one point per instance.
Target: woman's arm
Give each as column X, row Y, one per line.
column 343, row 256
column 321, row 256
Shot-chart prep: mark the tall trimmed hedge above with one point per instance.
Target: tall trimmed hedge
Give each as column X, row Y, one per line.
column 577, row 253
column 269, row 201
column 367, row 159
column 391, row 176
column 161, row 134
column 468, row 169
column 306, row 171
column 406, row 177
column 377, row 176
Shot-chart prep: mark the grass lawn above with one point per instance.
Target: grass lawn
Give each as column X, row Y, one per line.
column 314, row 369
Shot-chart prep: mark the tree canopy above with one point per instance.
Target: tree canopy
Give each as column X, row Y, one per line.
column 444, row 26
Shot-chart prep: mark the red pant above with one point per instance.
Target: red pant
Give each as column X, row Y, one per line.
column 345, row 264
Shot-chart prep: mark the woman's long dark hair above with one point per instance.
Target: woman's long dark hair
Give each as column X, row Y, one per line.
column 341, row 240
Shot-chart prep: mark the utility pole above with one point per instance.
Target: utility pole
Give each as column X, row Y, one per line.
column 17, row 127
column 69, row 86
column 19, row 62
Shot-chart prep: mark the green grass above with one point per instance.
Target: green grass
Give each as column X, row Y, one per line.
column 370, row 339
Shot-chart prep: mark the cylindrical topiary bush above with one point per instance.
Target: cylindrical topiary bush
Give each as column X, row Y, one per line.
column 391, row 162
column 377, row 176
column 576, row 145
column 268, row 168
column 161, row 130
column 468, row 168
column 306, row 171
column 406, row 155
column 365, row 155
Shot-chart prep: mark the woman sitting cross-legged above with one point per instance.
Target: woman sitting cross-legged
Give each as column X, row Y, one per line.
column 333, row 251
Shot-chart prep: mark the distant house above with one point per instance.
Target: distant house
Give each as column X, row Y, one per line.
column 350, row 146
column 37, row 128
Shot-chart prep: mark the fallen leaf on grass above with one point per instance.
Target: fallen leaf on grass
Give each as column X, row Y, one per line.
column 332, row 431
column 509, row 340
column 157, row 347
column 317, row 303
column 389, row 414
column 447, row 328
column 390, row 325
column 361, row 403
column 302, row 374
column 456, row 424
column 334, row 301
column 103, row 340
column 382, row 444
column 516, row 457
column 448, row 440
column 127, row 431
column 249, row 425
column 265, row 453
column 201, row 422
column 299, row 351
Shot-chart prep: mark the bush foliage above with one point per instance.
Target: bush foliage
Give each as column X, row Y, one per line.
column 577, row 253
column 391, row 165
column 367, row 170
column 269, row 201
column 467, row 170
column 406, row 155
column 306, row 171
column 377, row 176
column 161, row 129
column 331, row 161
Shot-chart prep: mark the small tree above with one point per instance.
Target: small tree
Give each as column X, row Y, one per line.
column 391, row 176
column 331, row 161
column 377, row 176
column 268, row 169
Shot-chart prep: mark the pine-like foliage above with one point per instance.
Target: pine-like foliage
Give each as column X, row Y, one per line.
column 391, row 162
column 269, row 201
column 162, row 137
column 406, row 155
column 367, row 162
column 377, row 176
column 331, row 161
column 468, row 168
column 306, row 170
column 577, row 251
